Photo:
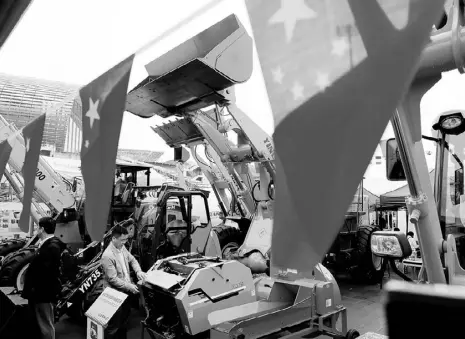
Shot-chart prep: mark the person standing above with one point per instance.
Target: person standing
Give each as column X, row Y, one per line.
column 42, row 280
column 115, row 262
column 413, row 244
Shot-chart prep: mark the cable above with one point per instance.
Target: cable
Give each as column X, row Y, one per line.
column 253, row 191
column 196, row 156
column 208, row 156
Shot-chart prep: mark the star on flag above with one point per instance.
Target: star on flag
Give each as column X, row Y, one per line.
column 298, row 91
column 302, row 30
column 278, row 75
column 92, row 113
column 290, row 13
column 339, row 47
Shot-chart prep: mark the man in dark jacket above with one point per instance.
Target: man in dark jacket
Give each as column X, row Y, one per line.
column 41, row 283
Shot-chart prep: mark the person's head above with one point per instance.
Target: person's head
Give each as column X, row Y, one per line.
column 119, row 236
column 410, row 234
column 396, row 229
column 47, row 226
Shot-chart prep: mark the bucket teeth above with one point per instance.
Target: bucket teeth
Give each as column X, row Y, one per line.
column 179, row 132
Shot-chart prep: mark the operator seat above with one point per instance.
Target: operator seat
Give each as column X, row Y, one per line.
column 176, row 232
column 127, row 193
column 175, row 225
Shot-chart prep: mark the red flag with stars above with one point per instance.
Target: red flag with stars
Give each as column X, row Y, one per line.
column 32, row 134
column 335, row 72
column 5, row 152
column 103, row 105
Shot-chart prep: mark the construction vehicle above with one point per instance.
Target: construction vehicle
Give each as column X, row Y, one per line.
column 192, row 293
column 62, row 198
column 448, row 189
column 71, row 230
column 351, row 250
column 435, row 210
column 81, row 273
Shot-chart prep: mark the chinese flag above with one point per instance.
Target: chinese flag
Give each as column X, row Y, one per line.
column 32, row 134
column 335, row 72
column 103, row 105
column 5, row 151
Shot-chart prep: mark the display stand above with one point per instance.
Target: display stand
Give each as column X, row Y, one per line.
column 102, row 310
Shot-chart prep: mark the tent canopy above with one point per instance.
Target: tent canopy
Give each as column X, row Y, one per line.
column 396, row 199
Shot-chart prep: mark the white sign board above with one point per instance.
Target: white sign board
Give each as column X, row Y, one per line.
column 105, row 306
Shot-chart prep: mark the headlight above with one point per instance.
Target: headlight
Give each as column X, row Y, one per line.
column 386, row 246
column 390, row 244
column 451, row 122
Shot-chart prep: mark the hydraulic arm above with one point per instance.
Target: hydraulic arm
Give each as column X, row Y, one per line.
column 240, row 170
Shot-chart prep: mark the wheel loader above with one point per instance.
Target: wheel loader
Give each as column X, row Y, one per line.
column 436, row 209
column 196, row 293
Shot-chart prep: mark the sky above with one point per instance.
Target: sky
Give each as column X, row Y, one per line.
column 74, row 41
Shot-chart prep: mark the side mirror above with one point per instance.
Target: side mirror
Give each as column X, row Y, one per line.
column 394, row 169
column 390, row 244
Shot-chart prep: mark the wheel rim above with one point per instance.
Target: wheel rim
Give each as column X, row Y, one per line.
column 377, row 262
column 230, row 247
column 20, row 278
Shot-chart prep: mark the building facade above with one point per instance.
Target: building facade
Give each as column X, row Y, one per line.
column 24, row 99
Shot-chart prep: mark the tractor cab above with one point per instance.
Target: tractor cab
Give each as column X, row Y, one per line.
column 127, row 182
column 178, row 223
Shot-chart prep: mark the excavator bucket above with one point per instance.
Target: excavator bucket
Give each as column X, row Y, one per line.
column 177, row 133
column 183, row 131
column 193, row 75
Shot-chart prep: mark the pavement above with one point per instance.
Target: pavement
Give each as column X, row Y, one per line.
column 365, row 313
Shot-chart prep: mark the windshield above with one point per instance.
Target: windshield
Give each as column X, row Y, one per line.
column 452, row 203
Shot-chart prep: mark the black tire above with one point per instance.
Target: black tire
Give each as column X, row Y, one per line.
column 352, row 334
column 94, row 293
column 78, row 310
column 367, row 271
column 11, row 245
column 13, row 265
column 230, row 238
